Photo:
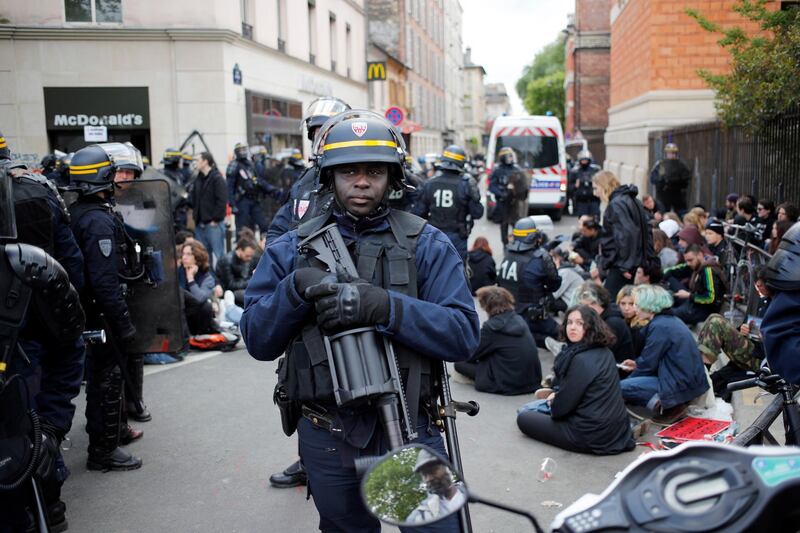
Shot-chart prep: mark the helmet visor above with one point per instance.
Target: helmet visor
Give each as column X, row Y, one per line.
column 327, row 107
column 8, row 223
column 124, row 155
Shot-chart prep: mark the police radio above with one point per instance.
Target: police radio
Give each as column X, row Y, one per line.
column 362, row 362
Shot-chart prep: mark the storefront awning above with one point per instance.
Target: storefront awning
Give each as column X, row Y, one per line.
column 409, row 126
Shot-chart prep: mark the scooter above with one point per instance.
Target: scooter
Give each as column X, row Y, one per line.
column 696, row 487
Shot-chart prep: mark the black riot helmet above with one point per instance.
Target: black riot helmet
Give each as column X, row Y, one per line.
column 319, row 111
column 453, row 158
column 92, row 169
column 8, row 222
column 241, row 151
column 48, row 162
column 507, row 156
column 360, row 136
column 529, row 232
column 125, row 157
column 585, row 155
column 296, row 159
column 783, row 270
column 171, row 157
column 5, row 151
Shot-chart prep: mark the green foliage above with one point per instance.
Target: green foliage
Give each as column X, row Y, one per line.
column 763, row 82
column 393, row 489
column 549, row 60
column 546, row 94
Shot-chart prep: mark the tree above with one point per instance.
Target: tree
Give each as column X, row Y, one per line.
column 763, row 81
column 541, row 86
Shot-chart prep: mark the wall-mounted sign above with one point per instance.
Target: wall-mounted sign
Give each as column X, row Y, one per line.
column 116, row 108
column 237, row 74
column 95, row 134
column 395, row 115
column 376, row 71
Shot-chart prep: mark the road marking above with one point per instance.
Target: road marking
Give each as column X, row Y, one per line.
column 189, row 359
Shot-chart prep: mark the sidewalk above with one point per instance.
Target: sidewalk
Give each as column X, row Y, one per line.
column 748, row 404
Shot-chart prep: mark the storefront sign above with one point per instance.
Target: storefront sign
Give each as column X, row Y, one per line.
column 376, row 71
column 95, row 134
column 115, row 108
column 237, row 74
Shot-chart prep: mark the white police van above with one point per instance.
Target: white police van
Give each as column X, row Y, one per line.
column 538, row 142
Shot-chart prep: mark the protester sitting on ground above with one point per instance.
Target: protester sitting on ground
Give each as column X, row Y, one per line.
column 586, row 414
column 587, row 245
column 746, row 214
column 198, row 286
column 235, row 268
column 482, row 265
column 765, row 210
column 507, row 360
column 729, row 211
column 654, row 208
column 599, row 299
column 705, row 290
column 650, row 276
column 715, row 237
column 788, row 211
column 742, row 346
column 673, row 216
column 779, row 229
column 669, row 373
column 627, row 306
column 663, row 247
column 695, row 217
column 691, row 235
column 571, row 278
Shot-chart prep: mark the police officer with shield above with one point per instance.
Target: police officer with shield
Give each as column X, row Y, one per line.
column 584, row 202
column 450, row 200
column 509, row 185
column 409, row 277
column 304, row 199
column 247, row 189
column 529, row 273
column 105, row 246
column 671, row 178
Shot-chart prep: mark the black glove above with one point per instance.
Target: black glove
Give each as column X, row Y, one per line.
column 50, row 444
column 308, row 277
column 125, row 329
column 348, row 304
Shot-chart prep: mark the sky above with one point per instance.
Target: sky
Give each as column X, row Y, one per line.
column 505, row 35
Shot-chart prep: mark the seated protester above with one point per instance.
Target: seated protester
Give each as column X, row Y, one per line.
column 746, row 214
column 705, row 290
column 599, row 299
column 670, row 227
column 669, row 373
column 654, row 208
column 235, row 268
column 627, row 307
column 571, row 278
column 779, row 327
column 587, row 414
column 695, row 217
column 663, row 247
column 586, row 246
column 198, row 286
column 779, row 229
column 715, row 237
column 788, row 211
column 690, row 235
column 481, row 262
column 765, row 210
column 729, row 211
column 650, row 276
column 507, row 360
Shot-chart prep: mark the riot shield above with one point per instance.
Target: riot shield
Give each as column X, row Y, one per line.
column 152, row 291
column 177, row 192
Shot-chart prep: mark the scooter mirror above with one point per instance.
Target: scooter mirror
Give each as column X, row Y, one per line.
column 413, row 486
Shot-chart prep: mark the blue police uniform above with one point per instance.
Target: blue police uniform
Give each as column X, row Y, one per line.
column 275, row 315
column 247, row 188
column 303, row 203
column 451, row 201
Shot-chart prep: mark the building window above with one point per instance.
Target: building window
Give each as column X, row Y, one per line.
column 312, row 32
column 334, row 54
column 348, row 48
column 98, row 11
column 247, row 27
column 282, row 25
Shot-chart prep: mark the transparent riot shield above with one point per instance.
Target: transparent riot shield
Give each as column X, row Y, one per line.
column 178, row 193
column 151, row 279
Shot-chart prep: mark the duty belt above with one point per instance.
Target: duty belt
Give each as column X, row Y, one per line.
column 317, row 416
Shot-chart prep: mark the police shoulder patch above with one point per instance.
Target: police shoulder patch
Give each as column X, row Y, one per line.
column 105, row 247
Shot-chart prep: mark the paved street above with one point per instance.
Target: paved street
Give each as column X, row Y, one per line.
column 215, row 437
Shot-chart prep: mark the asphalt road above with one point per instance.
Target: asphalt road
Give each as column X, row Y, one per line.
column 215, row 437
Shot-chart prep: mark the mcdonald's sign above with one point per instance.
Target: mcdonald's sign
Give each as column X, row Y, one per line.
column 376, row 71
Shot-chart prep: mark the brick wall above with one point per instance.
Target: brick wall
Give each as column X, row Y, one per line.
column 656, row 46
column 592, row 15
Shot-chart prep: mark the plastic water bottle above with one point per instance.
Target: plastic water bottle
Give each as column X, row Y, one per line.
column 546, row 470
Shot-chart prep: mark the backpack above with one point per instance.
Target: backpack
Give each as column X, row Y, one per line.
column 224, row 342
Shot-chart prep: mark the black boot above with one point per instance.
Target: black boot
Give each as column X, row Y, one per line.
column 293, row 476
column 117, row 460
column 133, row 414
column 135, row 407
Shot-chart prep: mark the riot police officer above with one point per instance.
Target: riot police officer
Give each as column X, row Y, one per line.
column 171, row 168
column 406, row 198
column 39, row 303
column 529, row 273
column 450, row 200
column 509, row 186
column 171, row 165
column 247, row 189
column 303, row 197
column 104, row 243
column 291, row 303
column 671, row 179
column 584, row 202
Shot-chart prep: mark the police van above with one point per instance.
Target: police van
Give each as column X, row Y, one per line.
column 538, row 142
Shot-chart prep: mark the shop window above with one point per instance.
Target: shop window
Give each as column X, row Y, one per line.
column 98, row 11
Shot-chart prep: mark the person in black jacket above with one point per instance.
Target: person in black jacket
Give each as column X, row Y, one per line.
column 587, row 245
column 482, row 265
column 599, row 299
column 235, row 268
column 209, row 199
column 626, row 241
column 507, row 360
column 587, row 414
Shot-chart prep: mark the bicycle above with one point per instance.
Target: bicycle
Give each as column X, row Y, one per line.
column 785, row 402
column 742, row 298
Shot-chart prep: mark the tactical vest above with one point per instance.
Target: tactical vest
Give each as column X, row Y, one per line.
column 34, row 219
column 388, row 260
column 446, row 206
column 509, row 276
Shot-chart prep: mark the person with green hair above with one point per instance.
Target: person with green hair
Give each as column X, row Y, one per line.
column 669, row 373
